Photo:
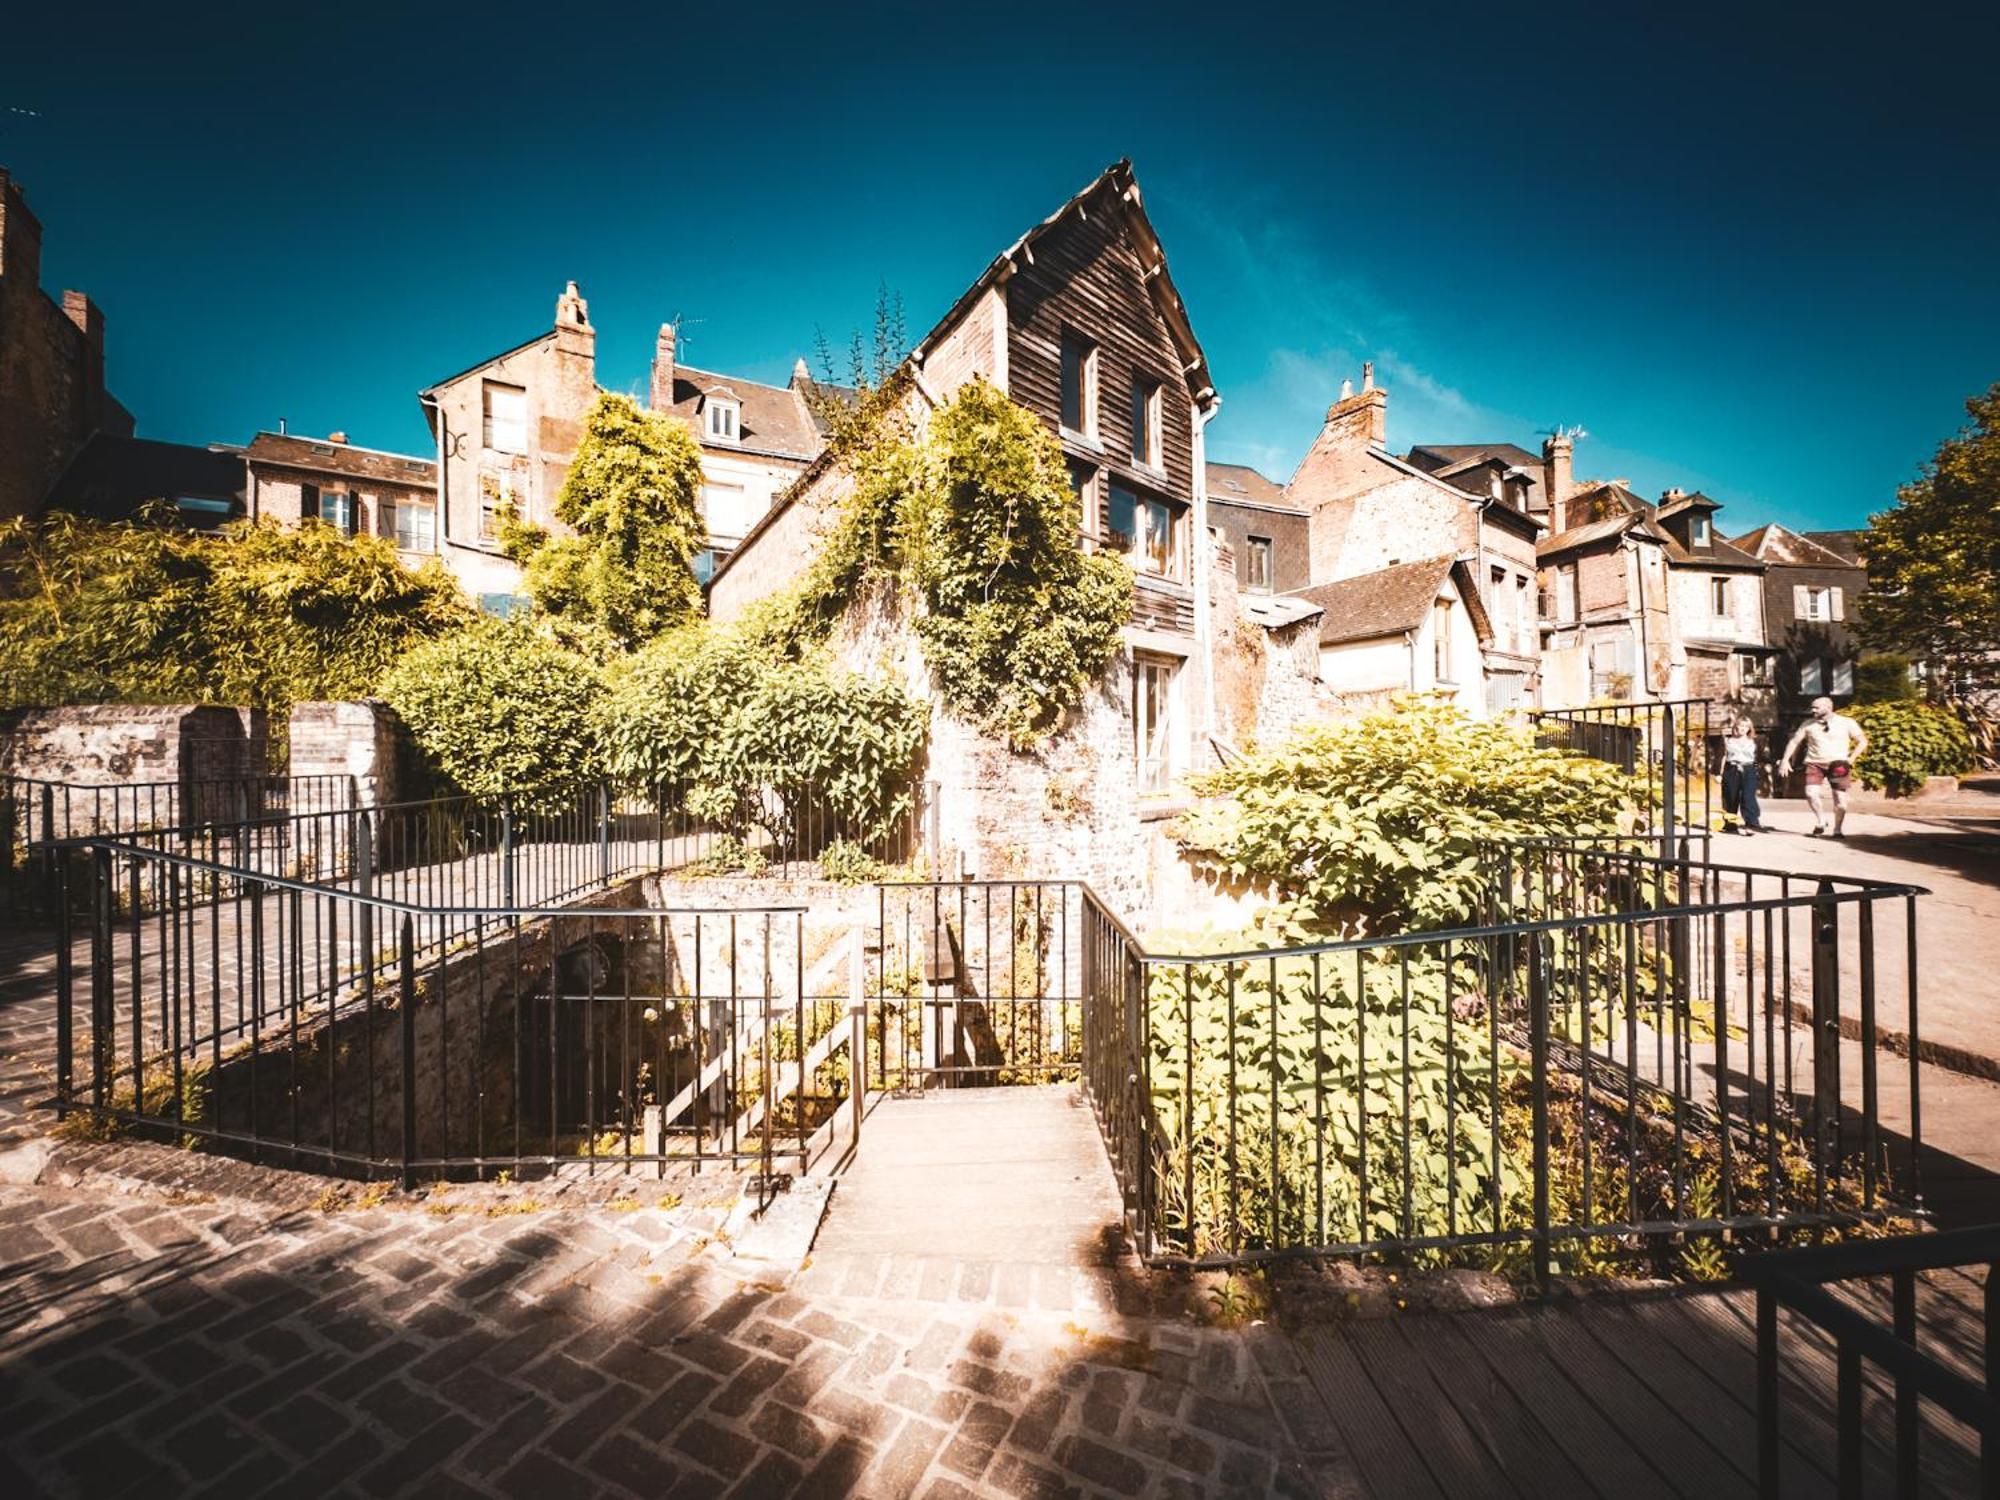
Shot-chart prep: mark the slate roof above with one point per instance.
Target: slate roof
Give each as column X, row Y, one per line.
column 1588, row 534
column 1772, row 543
column 1719, row 554
column 323, row 457
column 1240, row 482
column 775, row 418
column 1386, row 602
column 1438, row 456
column 111, row 477
column 1844, row 544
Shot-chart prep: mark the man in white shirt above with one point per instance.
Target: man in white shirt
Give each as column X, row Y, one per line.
column 1831, row 742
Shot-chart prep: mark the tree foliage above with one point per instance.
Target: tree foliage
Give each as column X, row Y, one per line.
column 1908, row 741
column 633, row 503
column 744, row 740
column 1934, row 557
column 147, row 612
column 975, row 523
column 501, row 708
column 1375, row 825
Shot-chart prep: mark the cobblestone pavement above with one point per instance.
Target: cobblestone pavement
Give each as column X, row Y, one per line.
column 163, row 1340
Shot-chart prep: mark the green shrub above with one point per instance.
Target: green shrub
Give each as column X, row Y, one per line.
column 148, row 612
column 807, row 753
column 1883, row 678
column 1377, row 824
column 1908, row 741
column 499, row 708
column 847, row 863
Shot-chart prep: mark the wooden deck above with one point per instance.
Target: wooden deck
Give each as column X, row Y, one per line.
column 1614, row 1397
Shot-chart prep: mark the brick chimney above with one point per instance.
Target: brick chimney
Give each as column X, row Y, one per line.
column 663, row 368
column 1359, row 421
column 1558, row 449
column 574, row 335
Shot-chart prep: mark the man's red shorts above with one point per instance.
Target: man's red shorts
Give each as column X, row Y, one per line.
column 1837, row 774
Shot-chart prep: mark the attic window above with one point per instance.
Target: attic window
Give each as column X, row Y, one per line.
column 722, row 419
column 1698, row 529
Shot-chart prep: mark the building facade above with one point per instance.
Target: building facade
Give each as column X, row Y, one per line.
column 52, row 394
column 359, row 491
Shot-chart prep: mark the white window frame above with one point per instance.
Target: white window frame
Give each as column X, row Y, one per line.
column 1566, row 594
column 1155, row 720
column 1700, row 531
column 734, row 497
column 1818, row 599
column 414, row 539
column 722, row 420
column 1441, row 650
column 507, row 434
column 337, row 509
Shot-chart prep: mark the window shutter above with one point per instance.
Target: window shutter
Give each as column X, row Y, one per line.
column 308, row 502
column 1798, row 601
column 1839, row 604
column 353, row 513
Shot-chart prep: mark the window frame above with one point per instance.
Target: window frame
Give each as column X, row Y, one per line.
column 1133, row 545
column 718, row 407
column 1260, row 547
column 1812, row 676
column 1441, row 651
column 1569, row 607
column 488, row 389
column 1086, row 425
column 1721, row 598
column 398, row 509
column 1156, row 711
column 1819, row 603
column 1146, row 426
column 347, row 510
column 1701, row 531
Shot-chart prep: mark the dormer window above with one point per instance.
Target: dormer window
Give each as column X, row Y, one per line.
column 722, row 419
column 1698, row 530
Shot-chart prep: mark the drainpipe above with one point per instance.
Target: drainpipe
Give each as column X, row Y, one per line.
column 443, row 533
column 1203, row 632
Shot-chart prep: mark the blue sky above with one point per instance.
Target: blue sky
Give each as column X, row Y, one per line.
column 1747, row 252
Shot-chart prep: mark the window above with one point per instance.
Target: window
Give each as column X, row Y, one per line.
column 1145, row 530
column 1079, row 386
column 506, row 418
column 1257, row 564
column 1441, row 639
column 500, row 606
column 1153, row 719
column 1698, row 530
column 1566, row 594
column 498, row 494
column 416, row 526
column 336, row 509
column 721, row 419
column 1524, row 616
column 1718, row 598
column 1842, row 678
column 1812, row 677
column 727, row 509
column 1503, row 622
column 1755, row 668
column 1146, row 422
column 705, row 563
column 1816, row 602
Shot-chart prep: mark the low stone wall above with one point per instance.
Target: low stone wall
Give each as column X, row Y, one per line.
column 363, row 740
column 103, row 744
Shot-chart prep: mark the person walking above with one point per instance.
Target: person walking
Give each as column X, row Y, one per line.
column 1739, row 777
column 1831, row 743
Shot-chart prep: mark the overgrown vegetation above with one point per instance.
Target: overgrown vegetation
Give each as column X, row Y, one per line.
column 1376, row 825
column 501, row 708
column 146, row 611
column 633, row 502
column 974, row 526
column 1907, row 741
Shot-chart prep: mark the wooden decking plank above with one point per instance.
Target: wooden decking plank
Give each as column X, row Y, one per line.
column 1453, row 1451
column 1648, row 1422
column 1566, row 1410
column 1526, row 1415
column 1388, row 1460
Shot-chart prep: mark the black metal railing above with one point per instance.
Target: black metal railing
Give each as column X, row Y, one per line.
column 1633, row 1051
column 370, row 1034
column 1665, row 745
column 1802, row 1281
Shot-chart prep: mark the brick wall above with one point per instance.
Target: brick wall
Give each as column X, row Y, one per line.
column 362, row 740
column 123, row 743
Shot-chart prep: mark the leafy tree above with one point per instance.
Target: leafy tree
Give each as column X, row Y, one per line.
column 1883, row 678
column 1908, row 741
column 1376, row 825
column 500, row 708
column 146, row 611
column 1934, row 557
column 633, row 503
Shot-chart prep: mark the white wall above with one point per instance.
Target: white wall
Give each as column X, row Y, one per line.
column 1366, row 666
column 1695, row 612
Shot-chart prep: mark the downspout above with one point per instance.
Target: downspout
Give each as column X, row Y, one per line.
column 1203, row 623
column 443, row 509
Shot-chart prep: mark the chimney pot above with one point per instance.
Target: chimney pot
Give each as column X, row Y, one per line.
column 1346, row 389
column 336, row 437
column 1368, row 375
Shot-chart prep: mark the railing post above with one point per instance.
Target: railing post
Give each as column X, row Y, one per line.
column 49, row 853
column 65, row 992
column 857, row 1036
column 406, row 1005
column 364, row 884
column 1538, row 1046
column 102, row 1031
column 1767, row 1392
column 507, row 854
column 1668, row 809
column 1826, row 1028
column 604, row 832
column 933, row 815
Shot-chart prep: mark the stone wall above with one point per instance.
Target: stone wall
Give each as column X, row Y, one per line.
column 363, row 740
column 102, row 744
